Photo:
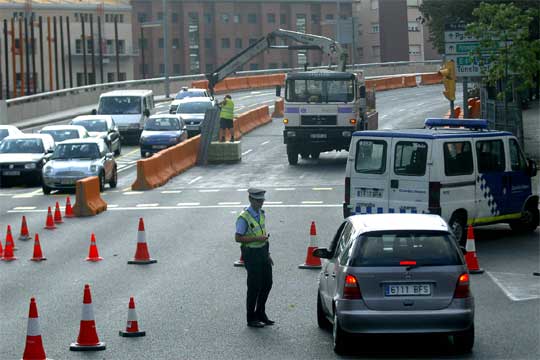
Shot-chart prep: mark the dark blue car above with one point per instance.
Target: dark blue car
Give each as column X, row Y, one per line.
column 160, row 132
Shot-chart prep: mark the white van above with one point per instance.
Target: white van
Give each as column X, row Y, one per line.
column 454, row 168
column 129, row 110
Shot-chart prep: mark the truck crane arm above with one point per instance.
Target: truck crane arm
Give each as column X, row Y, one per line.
column 308, row 42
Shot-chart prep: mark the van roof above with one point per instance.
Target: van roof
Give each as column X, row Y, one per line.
column 437, row 133
column 127, row 93
column 394, row 222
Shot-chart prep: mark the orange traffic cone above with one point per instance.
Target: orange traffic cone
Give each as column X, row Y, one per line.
column 25, row 235
column 57, row 214
column 142, row 256
column 69, row 210
column 38, row 255
column 132, row 327
column 49, row 224
column 88, row 338
column 8, row 253
column 1, row 250
column 93, row 254
column 9, row 238
column 470, row 255
column 312, row 262
column 33, row 349
column 240, row 262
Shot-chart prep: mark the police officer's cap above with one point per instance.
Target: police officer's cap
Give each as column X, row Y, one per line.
column 256, row 193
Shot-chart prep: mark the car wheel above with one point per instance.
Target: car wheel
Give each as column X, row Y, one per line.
column 114, row 179
column 292, row 155
column 322, row 321
column 464, row 341
column 339, row 336
column 46, row 190
column 102, row 182
column 118, row 150
column 315, row 155
column 458, row 225
column 304, row 155
column 528, row 221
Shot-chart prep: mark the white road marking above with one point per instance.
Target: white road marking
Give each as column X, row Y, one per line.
column 322, row 188
column 28, row 195
column 273, row 202
column 133, row 192
column 400, row 110
column 266, row 142
column 311, row 202
column 147, row 205
column 188, row 204
column 246, row 190
column 208, row 190
column 518, row 287
column 247, row 152
column 126, row 168
column 195, row 180
column 230, row 203
column 171, row 191
column 24, row 208
column 285, row 189
column 267, row 102
column 112, row 206
column 7, row 195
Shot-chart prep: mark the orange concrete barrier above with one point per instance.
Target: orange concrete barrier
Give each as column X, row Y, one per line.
column 429, row 79
column 394, row 83
column 380, row 84
column 88, row 201
column 278, row 108
column 200, row 84
column 409, row 81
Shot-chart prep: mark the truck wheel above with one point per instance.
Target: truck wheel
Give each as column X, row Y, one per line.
column 292, row 156
column 315, row 155
column 528, row 221
column 304, row 155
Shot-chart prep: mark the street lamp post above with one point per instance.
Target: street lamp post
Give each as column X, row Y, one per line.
column 165, row 48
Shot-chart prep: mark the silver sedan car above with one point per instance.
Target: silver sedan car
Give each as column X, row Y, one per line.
column 76, row 159
column 395, row 273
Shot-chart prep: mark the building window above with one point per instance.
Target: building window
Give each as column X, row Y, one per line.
column 174, row 17
column 78, row 45
column 237, row 19
column 415, row 50
column 141, row 17
column 412, row 3
column 160, row 43
column 329, row 17
column 283, row 19
column 374, row 4
column 360, row 32
column 271, row 18
column 224, row 18
column 176, row 43
column 208, row 18
column 176, row 68
column 209, row 68
column 273, row 65
column 109, row 47
column 110, row 77
column 80, row 79
column 121, row 46
column 315, row 19
column 208, row 43
column 374, row 28
column 413, row 26
column 301, row 27
column 376, row 51
column 121, row 77
column 193, row 29
column 360, row 51
column 144, row 69
column 284, row 65
column 225, row 43
column 252, row 18
column 238, row 43
column 160, row 15
column 253, row 66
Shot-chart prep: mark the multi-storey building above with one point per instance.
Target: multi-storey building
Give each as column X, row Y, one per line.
column 26, row 59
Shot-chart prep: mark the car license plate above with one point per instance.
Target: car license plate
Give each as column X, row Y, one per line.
column 158, row 146
column 11, row 173
column 67, row 181
column 317, row 136
column 407, row 290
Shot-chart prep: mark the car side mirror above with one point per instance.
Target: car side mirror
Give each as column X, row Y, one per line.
column 278, row 91
column 146, row 112
column 532, row 168
column 322, row 253
column 94, row 112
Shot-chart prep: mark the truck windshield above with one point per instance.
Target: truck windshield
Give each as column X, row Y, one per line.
column 115, row 105
column 320, row 91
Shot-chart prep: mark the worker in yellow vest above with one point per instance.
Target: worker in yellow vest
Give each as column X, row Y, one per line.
column 253, row 238
column 226, row 117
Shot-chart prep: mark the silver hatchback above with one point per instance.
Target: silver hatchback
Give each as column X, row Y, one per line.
column 395, row 273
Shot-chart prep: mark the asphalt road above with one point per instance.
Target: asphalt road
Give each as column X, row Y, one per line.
column 191, row 303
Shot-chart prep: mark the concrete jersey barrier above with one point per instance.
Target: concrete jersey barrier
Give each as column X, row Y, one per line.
column 88, row 201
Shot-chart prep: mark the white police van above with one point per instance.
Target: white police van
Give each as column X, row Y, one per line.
column 453, row 167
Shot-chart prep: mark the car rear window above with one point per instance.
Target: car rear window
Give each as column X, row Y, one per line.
column 3, row 133
column 189, row 93
column 385, row 248
column 61, row 135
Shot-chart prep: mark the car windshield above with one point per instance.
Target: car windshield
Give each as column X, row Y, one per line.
column 162, row 124
column 111, row 105
column 390, row 248
column 22, row 146
column 97, row 125
column 191, row 93
column 193, row 107
column 320, row 91
column 76, row 151
column 61, row 135
column 3, row 133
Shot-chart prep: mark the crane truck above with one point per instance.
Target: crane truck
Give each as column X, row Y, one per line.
column 322, row 107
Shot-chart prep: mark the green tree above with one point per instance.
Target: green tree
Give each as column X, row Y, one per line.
column 503, row 31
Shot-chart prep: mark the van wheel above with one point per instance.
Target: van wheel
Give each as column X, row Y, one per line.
column 339, row 337
column 322, row 321
column 118, row 150
column 304, row 155
column 464, row 341
column 458, row 225
column 114, row 179
column 102, row 182
column 292, row 155
column 528, row 221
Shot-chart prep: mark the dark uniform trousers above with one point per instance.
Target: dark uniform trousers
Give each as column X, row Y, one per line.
column 259, row 280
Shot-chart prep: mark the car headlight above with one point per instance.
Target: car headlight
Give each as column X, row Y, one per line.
column 173, row 140
column 291, row 134
column 93, row 168
column 48, row 170
column 30, row 166
column 142, row 139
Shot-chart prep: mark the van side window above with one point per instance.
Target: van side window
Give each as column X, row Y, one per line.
column 370, row 156
column 410, row 158
column 458, row 158
column 517, row 159
column 490, row 156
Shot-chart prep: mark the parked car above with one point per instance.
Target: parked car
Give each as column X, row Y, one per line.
column 184, row 93
column 76, row 159
column 8, row 130
column 395, row 273
column 23, row 156
column 65, row 132
column 192, row 111
column 160, row 132
column 102, row 126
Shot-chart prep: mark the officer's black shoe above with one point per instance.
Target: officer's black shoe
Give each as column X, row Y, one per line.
column 255, row 323
column 265, row 320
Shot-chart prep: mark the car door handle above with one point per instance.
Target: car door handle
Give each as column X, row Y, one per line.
column 326, row 274
column 333, row 275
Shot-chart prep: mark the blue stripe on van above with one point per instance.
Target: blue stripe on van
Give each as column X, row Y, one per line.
column 380, row 210
column 368, row 209
column 391, row 210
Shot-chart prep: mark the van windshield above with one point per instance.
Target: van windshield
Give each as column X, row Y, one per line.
column 115, row 105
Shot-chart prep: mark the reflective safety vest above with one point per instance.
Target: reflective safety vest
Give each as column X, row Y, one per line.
column 227, row 110
column 254, row 228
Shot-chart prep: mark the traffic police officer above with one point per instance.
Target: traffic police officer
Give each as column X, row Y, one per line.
column 251, row 234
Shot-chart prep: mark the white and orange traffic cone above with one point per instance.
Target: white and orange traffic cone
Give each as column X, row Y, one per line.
column 33, row 350
column 88, row 338
column 132, row 327
column 9, row 238
column 57, row 214
column 25, row 235
column 1, row 249
column 239, row 262
column 68, row 210
column 49, row 223
column 8, row 249
column 93, row 254
column 142, row 257
column 38, row 255
column 311, row 262
column 470, row 255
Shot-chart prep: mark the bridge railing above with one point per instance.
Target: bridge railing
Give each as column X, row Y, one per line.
column 25, row 108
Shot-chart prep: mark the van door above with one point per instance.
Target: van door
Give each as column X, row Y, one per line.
column 519, row 183
column 369, row 175
column 409, row 176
